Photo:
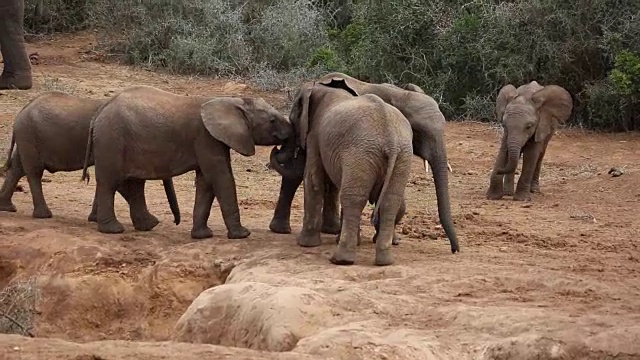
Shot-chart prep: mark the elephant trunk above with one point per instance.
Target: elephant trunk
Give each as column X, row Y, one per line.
column 439, row 166
column 514, row 156
column 284, row 164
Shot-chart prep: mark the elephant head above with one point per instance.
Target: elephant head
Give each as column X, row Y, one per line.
column 242, row 123
column 290, row 159
column 530, row 113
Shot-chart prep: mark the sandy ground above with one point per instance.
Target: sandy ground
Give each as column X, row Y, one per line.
column 557, row 277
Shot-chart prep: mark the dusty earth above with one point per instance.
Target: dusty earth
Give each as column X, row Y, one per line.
column 554, row 278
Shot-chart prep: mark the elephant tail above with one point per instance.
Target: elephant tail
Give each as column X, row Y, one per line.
column 87, row 156
column 391, row 164
column 7, row 164
column 173, row 200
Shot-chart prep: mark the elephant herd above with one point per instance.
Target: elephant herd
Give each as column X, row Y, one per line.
column 350, row 141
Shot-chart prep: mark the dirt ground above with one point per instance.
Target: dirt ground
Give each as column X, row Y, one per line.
column 554, row 278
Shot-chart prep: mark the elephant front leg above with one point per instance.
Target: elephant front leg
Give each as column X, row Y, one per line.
column 496, row 182
column 281, row 221
column 133, row 192
column 331, row 217
column 535, row 182
column 202, row 208
column 224, row 187
column 529, row 161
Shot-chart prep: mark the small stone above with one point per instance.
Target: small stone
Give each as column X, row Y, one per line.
column 615, row 172
column 527, row 205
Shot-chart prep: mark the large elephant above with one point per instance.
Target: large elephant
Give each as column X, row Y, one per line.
column 529, row 115
column 358, row 146
column 148, row 133
column 16, row 73
column 427, row 123
column 50, row 133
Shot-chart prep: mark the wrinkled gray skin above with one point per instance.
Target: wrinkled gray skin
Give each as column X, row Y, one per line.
column 360, row 147
column 145, row 133
column 529, row 115
column 427, row 123
column 16, row 73
column 50, row 133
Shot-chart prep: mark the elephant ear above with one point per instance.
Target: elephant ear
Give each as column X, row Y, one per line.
column 225, row 119
column 506, row 94
column 554, row 105
column 339, row 83
column 300, row 113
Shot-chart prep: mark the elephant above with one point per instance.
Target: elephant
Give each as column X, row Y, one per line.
column 529, row 115
column 356, row 145
column 16, row 73
column 427, row 123
column 148, row 133
column 50, row 133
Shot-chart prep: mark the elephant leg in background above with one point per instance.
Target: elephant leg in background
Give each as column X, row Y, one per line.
column 202, row 208
column 12, row 177
column 331, row 211
column 314, row 191
column 496, row 183
column 354, row 194
column 531, row 153
column 133, row 192
column 219, row 174
column 17, row 68
column 535, row 182
column 281, row 220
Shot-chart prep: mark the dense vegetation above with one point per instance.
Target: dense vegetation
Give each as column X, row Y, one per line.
column 460, row 51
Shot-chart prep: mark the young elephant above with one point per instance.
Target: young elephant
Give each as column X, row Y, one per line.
column 148, row 133
column 50, row 133
column 530, row 115
column 360, row 146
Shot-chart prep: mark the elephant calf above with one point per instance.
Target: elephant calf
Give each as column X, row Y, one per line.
column 359, row 145
column 530, row 115
column 148, row 133
column 50, row 133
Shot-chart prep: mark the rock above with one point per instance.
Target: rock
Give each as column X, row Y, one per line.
column 252, row 315
column 615, row 171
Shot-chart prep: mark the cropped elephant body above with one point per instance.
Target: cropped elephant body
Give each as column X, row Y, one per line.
column 50, row 133
column 530, row 115
column 358, row 147
column 16, row 73
column 146, row 133
column 427, row 124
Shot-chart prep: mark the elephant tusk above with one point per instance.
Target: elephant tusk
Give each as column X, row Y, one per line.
column 449, row 166
column 426, row 166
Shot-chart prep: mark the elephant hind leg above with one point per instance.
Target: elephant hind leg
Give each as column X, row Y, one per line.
column 354, row 194
column 105, row 194
column 133, row 192
column 12, row 177
column 34, row 169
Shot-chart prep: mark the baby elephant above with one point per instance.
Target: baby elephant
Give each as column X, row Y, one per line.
column 50, row 133
column 529, row 115
column 360, row 145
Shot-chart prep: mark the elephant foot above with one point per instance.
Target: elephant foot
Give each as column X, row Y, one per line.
column 16, row 81
column 146, row 223
column 383, row 258
column 280, row 226
column 522, row 196
column 111, row 227
column 330, row 227
column 238, row 233
column 201, row 233
column 309, row 240
column 535, row 188
column 491, row 195
column 93, row 217
column 508, row 192
column 343, row 256
column 8, row 207
column 42, row 213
